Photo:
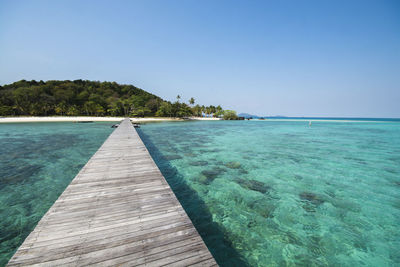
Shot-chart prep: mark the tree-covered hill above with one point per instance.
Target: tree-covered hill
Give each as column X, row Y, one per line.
column 82, row 97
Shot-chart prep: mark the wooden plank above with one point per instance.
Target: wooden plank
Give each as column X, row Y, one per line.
column 118, row 210
column 107, row 233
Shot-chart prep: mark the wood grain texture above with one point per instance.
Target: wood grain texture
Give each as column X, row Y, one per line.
column 118, row 211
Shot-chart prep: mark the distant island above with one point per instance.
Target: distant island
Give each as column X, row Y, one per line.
column 248, row 116
column 94, row 98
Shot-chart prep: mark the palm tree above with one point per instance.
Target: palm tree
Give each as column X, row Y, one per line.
column 191, row 101
column 197, row 110
column 212, row 110
column 219, row 111
column 208, row 111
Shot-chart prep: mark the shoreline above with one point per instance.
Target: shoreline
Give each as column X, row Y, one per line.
column 97, row 119
column 25, row 119
column 320, row 120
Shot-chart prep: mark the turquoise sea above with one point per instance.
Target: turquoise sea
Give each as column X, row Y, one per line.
column 282, row 193
column 261, row 193
column 37, row 162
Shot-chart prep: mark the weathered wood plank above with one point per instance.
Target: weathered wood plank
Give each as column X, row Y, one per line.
column 118, row 210
column 107, row 233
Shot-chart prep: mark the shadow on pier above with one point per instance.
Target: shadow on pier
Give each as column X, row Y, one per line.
column 212, row 234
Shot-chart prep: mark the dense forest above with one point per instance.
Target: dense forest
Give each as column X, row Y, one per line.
column 82, row 97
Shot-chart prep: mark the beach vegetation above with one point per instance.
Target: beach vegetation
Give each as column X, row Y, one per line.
column 93, row 98
column 191, row 101
column 230, row 115
column 219, row 112
column 197, row 111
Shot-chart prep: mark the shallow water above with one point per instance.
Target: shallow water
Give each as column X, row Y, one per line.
column 267, row 193
column 260, row 193
column 37, row 162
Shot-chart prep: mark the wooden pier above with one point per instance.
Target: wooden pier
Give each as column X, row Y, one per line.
column 118, row 211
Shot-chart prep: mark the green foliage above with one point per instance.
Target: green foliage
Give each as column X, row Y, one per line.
column 6, row 110
column 175, row 109
column 197, row 110
column 75, row 98
column 183, row 110
column 165, row 110
column 191, row 101
column 230, row 115
column 92, row 98
column 219, row 112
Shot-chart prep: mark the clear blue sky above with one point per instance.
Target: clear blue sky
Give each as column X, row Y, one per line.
column 294, row 58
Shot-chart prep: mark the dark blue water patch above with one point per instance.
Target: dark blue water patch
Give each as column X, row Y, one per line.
column 17, row 172
column 213, row 173
column 199, row 163
column 254, row 185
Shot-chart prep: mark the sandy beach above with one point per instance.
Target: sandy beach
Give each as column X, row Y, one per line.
column 80, row 119
column 150, row 119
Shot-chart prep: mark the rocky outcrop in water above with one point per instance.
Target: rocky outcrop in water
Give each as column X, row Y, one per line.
column 213, row 173
column 253, row 185
column 311, row 198
column 233, row 165
column 198, row 163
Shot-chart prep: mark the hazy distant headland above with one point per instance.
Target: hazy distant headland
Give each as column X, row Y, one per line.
column 299, row 118
column 94, row 98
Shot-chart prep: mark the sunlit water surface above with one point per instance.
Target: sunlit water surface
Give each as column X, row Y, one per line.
column 260, row 193
column 267, row 193
column 37, row 162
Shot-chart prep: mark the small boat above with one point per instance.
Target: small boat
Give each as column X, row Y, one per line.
column 84, row 121
column 309, row 123
column 115, row 125
column 136, row 125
